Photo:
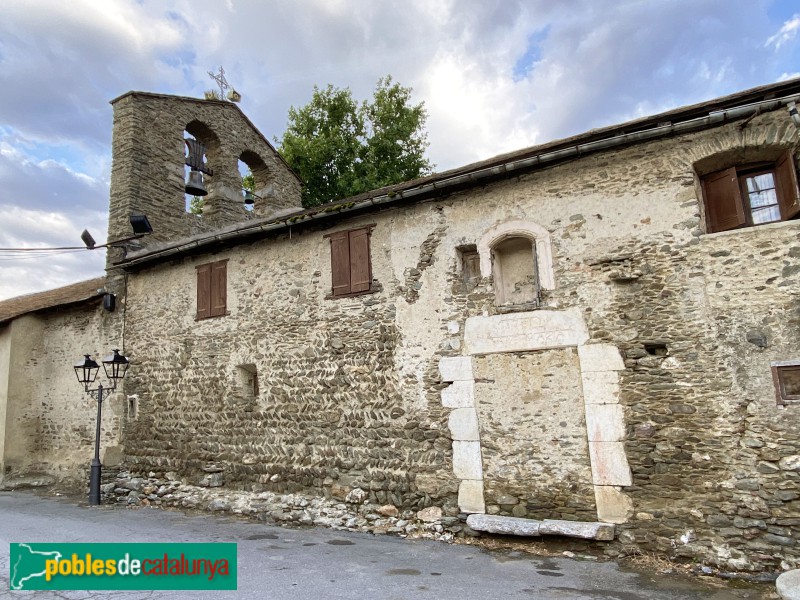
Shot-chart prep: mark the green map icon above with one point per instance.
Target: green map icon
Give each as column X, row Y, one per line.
column 28, row 564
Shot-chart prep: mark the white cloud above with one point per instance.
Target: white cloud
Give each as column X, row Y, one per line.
column 785, row 34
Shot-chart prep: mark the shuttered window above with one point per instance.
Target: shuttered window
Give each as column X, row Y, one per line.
column 351, row 266
column 751, row 195
column 212, row 289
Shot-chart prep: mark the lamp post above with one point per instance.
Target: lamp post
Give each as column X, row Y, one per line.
column 115, row 367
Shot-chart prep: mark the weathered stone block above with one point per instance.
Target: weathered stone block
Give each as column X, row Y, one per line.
column 522, row 331
column 456, row 368
column 578, row 529
column 600, row 357
column 430, row 514
column 460, row 394
column 612, row 505
column 463, row 423
column 467, row 460
column 788, row 585
column 470, row 496
column 609, row 463
column 600, row 387
column 504, row 525
column 605, row 422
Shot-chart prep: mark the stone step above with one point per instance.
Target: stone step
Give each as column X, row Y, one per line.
column 28, row 481
column 529, row 527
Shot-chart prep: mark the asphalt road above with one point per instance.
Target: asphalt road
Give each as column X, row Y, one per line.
column 279, row 563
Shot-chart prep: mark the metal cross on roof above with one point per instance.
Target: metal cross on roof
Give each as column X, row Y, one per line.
column 221, row 81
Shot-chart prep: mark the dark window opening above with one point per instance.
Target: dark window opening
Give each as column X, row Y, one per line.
column 656, row 349
column 786, row 379
column 744, row 196
column 351, row 264
column 470, row 262
column 248, row 377
column 212, row 289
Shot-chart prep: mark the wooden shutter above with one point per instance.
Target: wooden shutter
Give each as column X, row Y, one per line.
column 219, row 287
column 360, row 268
column 203, row 291
column 786, row 182
column 724, row 206
column 340, row 263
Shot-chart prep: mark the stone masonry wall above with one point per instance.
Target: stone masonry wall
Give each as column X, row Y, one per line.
column 50, row 421
column 147, row 176
column 349, row 388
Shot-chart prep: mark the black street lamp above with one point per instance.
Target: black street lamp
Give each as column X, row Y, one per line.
column 86, row 370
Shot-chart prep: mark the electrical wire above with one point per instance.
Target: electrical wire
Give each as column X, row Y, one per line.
column 46, row 249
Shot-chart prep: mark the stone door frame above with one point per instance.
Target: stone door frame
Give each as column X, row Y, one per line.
column 605, row 424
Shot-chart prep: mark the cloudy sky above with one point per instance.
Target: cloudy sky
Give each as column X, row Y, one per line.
column 495, row 75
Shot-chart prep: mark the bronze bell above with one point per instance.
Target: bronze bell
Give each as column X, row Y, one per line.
column 194, row 185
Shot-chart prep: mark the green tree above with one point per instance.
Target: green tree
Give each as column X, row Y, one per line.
column 340, row 149
column 396, row 138
column 196, row 205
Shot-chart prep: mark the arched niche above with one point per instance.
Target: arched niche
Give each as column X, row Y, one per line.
column 518, row 254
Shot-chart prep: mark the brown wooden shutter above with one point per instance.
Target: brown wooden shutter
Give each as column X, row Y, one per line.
column 219, row 288
column 340, row 263
column 360, row 268
column 203, row 291
column 724, row 206
column 786, row 182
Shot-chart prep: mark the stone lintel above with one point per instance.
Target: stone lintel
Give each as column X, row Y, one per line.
column 525, row 331
column 456, row 368
column 459, row 394
column 470, row 496
column 600, row 357
column 532, row 528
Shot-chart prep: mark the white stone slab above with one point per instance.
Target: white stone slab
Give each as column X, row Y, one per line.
column 460, row 394
column 463, row 424
column 787, row 584
column 605, row 422
column 456, row 368
column 609, row 463
column 504, row 525
column 578, row 529
column 467, row 460
column 612, row 505
column 600, row 357
column 529, row 527
column 516, row 332
column 600, row 387
column 470, row 496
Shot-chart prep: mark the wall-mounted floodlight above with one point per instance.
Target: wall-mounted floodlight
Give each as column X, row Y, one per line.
column 88, row 239
column 139, row 223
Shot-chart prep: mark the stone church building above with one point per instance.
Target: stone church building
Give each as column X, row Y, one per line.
column 599, row 329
